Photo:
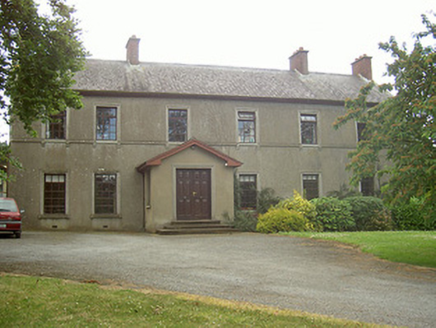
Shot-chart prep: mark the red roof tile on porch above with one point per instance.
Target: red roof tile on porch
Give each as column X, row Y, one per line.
column 157, row 160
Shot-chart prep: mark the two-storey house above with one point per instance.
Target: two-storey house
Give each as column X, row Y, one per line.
column 157, row 143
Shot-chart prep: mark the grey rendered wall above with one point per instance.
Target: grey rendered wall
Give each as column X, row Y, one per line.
column 278, row 157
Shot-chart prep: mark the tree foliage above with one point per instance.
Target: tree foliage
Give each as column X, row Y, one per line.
column 401, row 128
column 39, row 55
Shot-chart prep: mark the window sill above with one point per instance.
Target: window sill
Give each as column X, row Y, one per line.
column 106, row 141
column 59, row 216
column 310, row 146
column 105, row 216
column 56, row 140
column 247, row 144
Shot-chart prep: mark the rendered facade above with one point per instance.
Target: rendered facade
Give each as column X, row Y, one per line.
column 157, row 143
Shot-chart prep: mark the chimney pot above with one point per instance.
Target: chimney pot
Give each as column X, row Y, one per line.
column 298, row 61
column 362, row 66
column 132, row 52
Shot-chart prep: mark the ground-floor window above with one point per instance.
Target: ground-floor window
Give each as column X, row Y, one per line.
column 248, row 189
column 105, row 200
column 367, row 186
column 54, row 193
column 311, row 185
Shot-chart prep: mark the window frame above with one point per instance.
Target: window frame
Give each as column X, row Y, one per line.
column 45, row 204
column 54, row 123
column 315, row 136
column 318, row 185
column 168, row 117
column 360, row 128
column 252, row 204
column 367, row 186
column 115, row 197
column 255, row 126
column 116, row 125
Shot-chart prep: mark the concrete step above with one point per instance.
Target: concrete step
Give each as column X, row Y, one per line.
column 186, row 231
column 195, row 227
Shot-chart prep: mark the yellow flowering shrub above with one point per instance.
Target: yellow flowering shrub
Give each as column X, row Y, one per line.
column 300, row 205
column 282, row 220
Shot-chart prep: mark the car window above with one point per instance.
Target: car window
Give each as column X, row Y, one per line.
column 8, row 205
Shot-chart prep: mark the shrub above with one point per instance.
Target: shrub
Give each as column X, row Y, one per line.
column 343, row 192
column 412, row 215
column 245, row 221
column 333, row 214
column 266, row 198
column 300, row 205
column 282, row 220
column 370, row 214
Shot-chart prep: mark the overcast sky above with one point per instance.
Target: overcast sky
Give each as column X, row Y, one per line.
column 250, row 33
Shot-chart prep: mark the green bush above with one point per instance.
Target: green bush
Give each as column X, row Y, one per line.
column 333, row 214
column 282, row 220
column 245, row 221
column 412, row 215
column 370, row 214
column 266, row 198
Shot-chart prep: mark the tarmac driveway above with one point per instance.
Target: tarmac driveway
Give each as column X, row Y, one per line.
column 314, row 276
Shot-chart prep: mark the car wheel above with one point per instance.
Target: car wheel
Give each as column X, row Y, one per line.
column 18, row 235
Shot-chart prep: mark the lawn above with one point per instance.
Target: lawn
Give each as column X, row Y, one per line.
column 45, row 302
column 412, row 247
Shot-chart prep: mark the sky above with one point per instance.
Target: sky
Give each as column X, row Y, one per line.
column 250, row 33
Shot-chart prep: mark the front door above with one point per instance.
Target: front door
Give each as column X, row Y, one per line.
column 193, row 194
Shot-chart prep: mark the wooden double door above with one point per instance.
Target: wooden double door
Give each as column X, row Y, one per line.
column 193, row 194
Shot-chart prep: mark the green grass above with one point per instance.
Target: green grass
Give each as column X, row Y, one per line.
column 46, row 302
column 412, row 247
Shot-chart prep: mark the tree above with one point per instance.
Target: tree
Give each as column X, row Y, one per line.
column 39, row 55
column 402, row 128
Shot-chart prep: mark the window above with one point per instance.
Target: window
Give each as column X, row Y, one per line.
column 360, row 132
column 367, row 186
column 106, row 128
column 308, row 129
column 311, row 186
column 56, row 127
column 177, row 125
column 246, row 127
column 105, row 193
column 54, row 193
column 248, row 189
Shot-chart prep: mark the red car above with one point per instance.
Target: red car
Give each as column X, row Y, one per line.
column 10, row 217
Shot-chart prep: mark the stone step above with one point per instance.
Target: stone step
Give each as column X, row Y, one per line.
column 195, row 227
column 185, row 222
column 187, row 231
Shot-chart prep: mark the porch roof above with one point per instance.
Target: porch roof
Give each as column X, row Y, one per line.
column 157, row 160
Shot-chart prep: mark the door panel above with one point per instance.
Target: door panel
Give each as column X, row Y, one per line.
column 193, row 194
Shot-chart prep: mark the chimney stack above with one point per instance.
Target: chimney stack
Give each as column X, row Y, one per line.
column 362, row 66
column 299, row 62
column 132, row 52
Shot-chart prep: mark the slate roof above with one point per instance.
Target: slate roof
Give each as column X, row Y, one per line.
column 217, row 81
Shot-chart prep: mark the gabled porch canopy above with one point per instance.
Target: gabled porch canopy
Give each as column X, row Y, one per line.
column 157, row 160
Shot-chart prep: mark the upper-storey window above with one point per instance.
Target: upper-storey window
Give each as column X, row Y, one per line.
column 247, row 127
column 56, row 128
column 361, row 131
column 106, row 123
column 177, row 125
column 308, row 129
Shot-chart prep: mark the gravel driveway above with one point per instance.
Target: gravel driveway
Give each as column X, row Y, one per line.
column 302, row 274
